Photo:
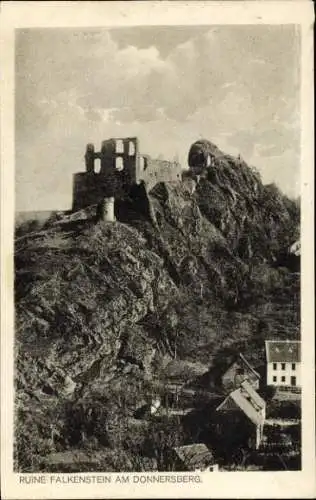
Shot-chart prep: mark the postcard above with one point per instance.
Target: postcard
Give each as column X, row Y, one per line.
column 157, row 285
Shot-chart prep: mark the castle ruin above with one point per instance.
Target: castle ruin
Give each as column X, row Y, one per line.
column 121, row 166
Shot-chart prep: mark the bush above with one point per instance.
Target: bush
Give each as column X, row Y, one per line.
column 288, row 410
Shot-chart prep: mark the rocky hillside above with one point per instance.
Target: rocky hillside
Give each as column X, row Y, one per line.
column 188, row 272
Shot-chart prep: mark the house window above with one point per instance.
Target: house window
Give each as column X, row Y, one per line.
column 275, row 365
column 119, row 165
column 274, row 379
column 131, row 149
column 293, row 366
column 283, row 379
column 283, row 366
column 119, row 146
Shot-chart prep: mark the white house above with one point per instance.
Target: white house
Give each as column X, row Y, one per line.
column 283, row 363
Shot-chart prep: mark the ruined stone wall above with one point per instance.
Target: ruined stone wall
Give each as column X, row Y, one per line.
column 152, row 171
column 88, row 189
column 122, row 166
column 119, row 158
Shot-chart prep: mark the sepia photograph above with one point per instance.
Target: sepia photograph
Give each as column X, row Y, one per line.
column 157, row 250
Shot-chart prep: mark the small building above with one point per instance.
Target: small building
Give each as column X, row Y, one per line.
column 243, row 414
column 239, row 371
column 146, row 410
column 75, row 460
column 283, row 363
column 192, row 458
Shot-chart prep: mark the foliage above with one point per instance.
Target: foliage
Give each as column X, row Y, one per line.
column 288, row 410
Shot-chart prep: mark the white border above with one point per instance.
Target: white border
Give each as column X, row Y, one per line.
column 300, row 484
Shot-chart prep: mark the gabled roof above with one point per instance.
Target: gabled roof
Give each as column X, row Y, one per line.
column 286, row 351
column 247, row 400
column 241, row 361
column 195, row 456
column 250, row 368
column 255, row 398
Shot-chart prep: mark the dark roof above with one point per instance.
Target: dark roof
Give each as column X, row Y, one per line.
column 195, row 456
column 251, row 393
column 184, row 370
column 286, row 351
column 243, row 359
column 75, row 456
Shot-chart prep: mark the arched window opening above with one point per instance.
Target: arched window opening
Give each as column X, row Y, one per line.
column 119, row 164
column 131, row 148
column 119, row 146
column 208, row 161
column 143, row 163
column 97, row 165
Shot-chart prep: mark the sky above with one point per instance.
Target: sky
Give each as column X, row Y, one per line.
column 235, row 85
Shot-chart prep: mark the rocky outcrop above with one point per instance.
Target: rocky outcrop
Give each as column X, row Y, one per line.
column 101, row 306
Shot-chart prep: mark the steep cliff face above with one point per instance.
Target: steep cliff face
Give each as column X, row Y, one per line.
column 102, row 307
column 255, row 219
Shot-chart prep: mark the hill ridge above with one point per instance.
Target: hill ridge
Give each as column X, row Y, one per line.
column 182, row 274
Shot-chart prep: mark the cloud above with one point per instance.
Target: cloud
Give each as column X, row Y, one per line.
column 235, row 85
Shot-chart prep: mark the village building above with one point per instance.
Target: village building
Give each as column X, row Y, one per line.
column 239, row 371
column 242, row 416
column 192, row 458
column 148, row 409
column 75, row 460
column 283, row 363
